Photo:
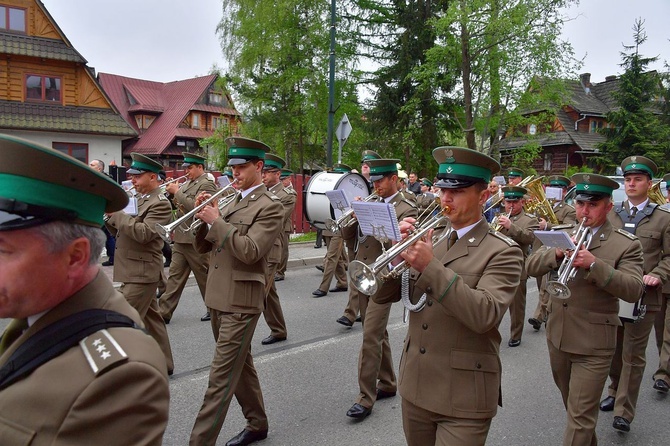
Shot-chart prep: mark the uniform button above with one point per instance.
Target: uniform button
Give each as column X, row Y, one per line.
column 565, row 304
column 429, row 290
column 607, row 321
column 218, row 250
column 479, row 366
column 422, row 350
column 430, row 303
column 216, row 266
column 365, row 258
column 425, row 326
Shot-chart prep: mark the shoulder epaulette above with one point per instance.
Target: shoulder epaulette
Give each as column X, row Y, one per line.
column 162, row 197
column 271, row 195
column 503, row 237
column 661, row 208
column 627, row 234
column 102, row 351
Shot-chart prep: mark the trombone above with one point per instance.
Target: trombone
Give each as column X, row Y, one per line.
column 347, row 217
column 165, row 230
column 566, row 272
column 367, row 278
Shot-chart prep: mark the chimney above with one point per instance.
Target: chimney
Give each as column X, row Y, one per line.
column 610, row 78
column 585, row 79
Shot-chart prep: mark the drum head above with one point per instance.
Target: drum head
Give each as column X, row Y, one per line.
column 317, row 206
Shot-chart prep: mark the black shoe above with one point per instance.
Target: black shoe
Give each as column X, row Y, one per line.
column 383, row 394
column 621, row 424
column 317, row 246
column 358, row 411
column 159, row 294
column 247, row 437
column 344, row 321
column 278, row 278
column 167, row 264
column 108, row 263
column 514, row 342
column 319, row 293
column 319, row 267
column 607, row 405
column 358, row 319
column 338, row 289
column 272, row 339
column 166, row 320
column 206, row 317
column 535, row 323
column 661, row 386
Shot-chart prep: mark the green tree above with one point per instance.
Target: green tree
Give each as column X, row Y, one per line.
column 634, row 126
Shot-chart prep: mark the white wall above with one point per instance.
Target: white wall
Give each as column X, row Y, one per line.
column 105, row 148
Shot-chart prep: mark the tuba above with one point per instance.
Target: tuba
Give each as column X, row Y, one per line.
column 655, row 194
column 538, row 204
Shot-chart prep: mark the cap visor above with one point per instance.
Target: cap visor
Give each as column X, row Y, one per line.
column 185, row 164
column 10, row 222
column 237, row 161
column 453, row 184
column 376, row 177
column 590, row 197
column 134, row 171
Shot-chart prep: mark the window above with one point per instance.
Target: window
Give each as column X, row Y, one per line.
column 217, row 122
column 75, row 150
column 547, row 161
column 532, row 129
column 215, row 98
column 12, row 19
column 595, row 126
column 195, row 121
column 43, row 88
column 144, row 121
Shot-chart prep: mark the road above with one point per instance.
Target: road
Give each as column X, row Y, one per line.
column 310, row 380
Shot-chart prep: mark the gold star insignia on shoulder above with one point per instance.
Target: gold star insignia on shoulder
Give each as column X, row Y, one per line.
column 471, row 240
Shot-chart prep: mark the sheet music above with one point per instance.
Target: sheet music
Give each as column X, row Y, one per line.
column 554, row 193
column 223, row 181
column 338, row 200
column 500, row 180
column 555, row 239
column 131, row 208
column 377, row 219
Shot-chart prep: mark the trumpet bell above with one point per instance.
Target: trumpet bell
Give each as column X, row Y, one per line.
column 558, row 290
column 363, row 278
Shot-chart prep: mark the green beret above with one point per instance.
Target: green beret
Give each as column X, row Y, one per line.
column 460, row 167
column 273, row 162
column 381, row 167
column 141, row 164
column 39, row 185
column 192, row 158
column 639, row 164
column 242, row 150
column 593, row 187
column 514, row 192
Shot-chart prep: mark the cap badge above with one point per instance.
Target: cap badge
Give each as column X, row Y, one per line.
column 633, row 166
column 633, row 159
column 587, row 178
column 450, row 157
column 449, row 169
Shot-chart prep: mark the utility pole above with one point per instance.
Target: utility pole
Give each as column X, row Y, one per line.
column 331, row 89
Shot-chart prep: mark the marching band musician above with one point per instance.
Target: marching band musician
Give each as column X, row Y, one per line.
column 518, row 226
column 662, row 324
column 376, row 377
column 138, row 261
column 581, row 330
column 75, row 366
column 184, row 256
column 514, row 176
column 651, row 224
column 274, row 316
column 565, row 214
column 285, row 178
column 450, row 370
column 239, row 242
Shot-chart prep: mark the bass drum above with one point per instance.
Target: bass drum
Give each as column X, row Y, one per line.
column 631, row 312
column 317, row 206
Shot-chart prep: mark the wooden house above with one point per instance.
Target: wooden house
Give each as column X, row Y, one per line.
column 48, row 93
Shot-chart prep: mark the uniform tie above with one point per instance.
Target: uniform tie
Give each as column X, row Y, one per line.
column 633, row 211
column 15, row 329
column 452, row 239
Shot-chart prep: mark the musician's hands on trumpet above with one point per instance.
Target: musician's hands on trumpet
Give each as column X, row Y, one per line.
column 420, row 253
column 208, row 213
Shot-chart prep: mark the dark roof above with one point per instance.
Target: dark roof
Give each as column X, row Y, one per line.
column 171, row 102
column 588, row 103
column 586, row 141
column 544, row 139
column 58, row 118
column 52, row 49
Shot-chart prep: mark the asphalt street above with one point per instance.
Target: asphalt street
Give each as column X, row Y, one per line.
column 310, row 380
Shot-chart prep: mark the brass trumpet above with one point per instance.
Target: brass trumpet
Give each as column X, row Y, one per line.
column 367, row 278
column 347, row 218
column 566, row 272
column 223, row 202
column 495, row 223
column 164, row 185
column 165, row 230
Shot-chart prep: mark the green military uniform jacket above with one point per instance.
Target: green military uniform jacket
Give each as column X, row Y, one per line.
column 450, row 363
column 138, row 256
column 565, row 214
column 586, row 323
column 184, row 200
column 288, row 202
column 67, row 402
column 653, row 231
column 521, row 231
column 239, row 243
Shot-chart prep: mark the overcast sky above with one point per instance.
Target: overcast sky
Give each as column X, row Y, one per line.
column 167, row 40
